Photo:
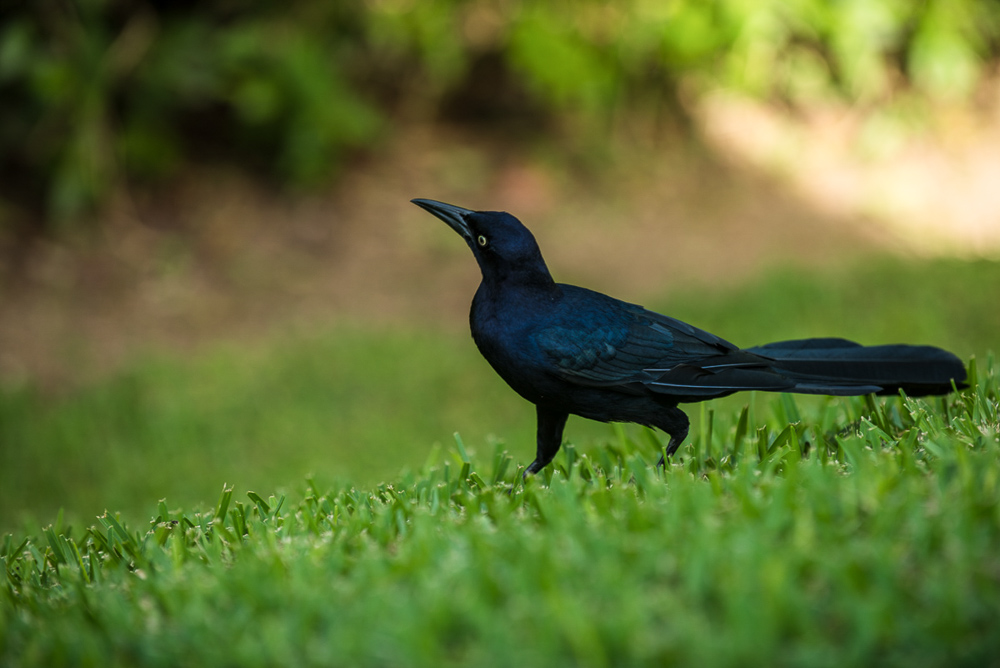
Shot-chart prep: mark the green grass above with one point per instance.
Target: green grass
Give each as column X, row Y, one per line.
column 343, row 405
column 360, row 405
column 861, row 533
column 793, row 531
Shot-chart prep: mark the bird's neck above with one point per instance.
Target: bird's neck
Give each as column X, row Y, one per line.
column 514, row 278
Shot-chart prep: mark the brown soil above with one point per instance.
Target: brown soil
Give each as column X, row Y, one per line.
column 220, row 257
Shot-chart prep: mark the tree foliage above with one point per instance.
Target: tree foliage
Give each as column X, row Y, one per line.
column 96, row 91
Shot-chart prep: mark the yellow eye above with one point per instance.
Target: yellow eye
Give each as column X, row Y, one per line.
column 482, row 241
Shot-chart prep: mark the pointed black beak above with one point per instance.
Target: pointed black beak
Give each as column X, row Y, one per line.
column 449, row 213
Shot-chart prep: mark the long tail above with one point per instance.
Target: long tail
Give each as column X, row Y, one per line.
column 816, row 365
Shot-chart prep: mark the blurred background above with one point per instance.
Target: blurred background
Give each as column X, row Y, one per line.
column 210, row 270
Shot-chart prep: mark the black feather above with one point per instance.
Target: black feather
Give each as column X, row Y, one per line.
column 570, row 350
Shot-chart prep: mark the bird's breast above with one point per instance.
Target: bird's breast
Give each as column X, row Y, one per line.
column 504, row 335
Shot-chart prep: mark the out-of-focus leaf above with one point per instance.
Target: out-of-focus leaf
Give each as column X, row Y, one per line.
column 942, row 58
column 560, row 66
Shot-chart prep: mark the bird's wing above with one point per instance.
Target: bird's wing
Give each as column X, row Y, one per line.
column 596, row 340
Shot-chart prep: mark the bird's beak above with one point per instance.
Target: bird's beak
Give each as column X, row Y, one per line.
column 449, row 213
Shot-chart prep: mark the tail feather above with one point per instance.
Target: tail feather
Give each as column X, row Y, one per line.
column 816, row 363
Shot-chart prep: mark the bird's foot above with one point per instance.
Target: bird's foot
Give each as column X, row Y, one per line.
column 534, row 468
column 672, row 447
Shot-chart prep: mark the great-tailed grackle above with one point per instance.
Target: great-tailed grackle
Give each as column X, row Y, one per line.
column 571, row 350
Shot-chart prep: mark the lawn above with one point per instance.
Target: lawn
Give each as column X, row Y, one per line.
column 790, row 531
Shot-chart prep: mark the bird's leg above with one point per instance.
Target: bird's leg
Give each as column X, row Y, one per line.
column 675, row 422
column 550, row 430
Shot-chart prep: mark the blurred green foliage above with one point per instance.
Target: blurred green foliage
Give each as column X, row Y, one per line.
column 100, row 91
column 362, row 404
column 859, row 532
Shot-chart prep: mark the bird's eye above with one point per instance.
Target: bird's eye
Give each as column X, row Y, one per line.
column 483, row 241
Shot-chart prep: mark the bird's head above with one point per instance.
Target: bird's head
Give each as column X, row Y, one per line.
column 503, row 247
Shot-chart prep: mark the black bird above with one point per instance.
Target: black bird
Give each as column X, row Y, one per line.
column 571, row 350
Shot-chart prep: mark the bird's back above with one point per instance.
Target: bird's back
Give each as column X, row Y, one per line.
column 583, row 337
